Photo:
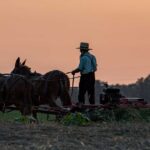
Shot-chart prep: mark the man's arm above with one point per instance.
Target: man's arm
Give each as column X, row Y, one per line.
column 75, row 71
column 81, row 66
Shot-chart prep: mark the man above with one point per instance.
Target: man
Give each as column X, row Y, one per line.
column 87, row 68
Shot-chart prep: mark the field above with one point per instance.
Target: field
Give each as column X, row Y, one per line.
column 53, row 135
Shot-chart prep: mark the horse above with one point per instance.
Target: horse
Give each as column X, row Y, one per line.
column 16, row 90
column 48, row 87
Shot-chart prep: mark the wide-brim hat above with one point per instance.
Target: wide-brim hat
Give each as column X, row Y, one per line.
column 84, row 46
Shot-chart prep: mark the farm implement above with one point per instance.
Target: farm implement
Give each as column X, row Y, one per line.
column 111, row 99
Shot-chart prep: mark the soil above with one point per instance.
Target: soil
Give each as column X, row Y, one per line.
column 55, row 136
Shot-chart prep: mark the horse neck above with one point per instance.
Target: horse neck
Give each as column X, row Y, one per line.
column 35, row 75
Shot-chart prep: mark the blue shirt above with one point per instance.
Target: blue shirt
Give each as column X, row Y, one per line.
column 87, row 63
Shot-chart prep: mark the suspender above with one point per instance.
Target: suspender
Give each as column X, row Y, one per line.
column 91, row 58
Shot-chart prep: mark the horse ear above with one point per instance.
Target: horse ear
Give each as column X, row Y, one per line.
column 17, row 64
column 24, row 62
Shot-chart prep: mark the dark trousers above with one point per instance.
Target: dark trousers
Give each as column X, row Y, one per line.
column 87, row 84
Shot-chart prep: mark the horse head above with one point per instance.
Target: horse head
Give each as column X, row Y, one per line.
column 21, row 68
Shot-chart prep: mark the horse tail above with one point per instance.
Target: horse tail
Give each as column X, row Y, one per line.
column 64, row 90
column 60, row 80
column 64, row 82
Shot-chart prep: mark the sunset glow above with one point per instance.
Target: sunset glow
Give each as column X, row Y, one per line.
column 47, row 32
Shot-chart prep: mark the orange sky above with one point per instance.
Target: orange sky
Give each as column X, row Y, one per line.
column 46, row 32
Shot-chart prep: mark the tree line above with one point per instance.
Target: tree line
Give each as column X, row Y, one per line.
column 141, row 88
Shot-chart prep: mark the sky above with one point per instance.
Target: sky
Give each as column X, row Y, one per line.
column 47, row 33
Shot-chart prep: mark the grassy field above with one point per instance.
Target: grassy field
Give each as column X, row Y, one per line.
column 114, row 115
column 15, row 115
column 130, row 132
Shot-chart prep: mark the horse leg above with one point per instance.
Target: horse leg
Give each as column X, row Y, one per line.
column 26, row 111
column 30, row 109
column 34, row 113
column 65, row 98
column 52, row 102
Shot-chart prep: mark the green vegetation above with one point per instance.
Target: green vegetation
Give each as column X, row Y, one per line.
column 9, row 117
column 114, row 115
column 120, row 115
column 85, row 118
column 75, row 119
column 15, row 116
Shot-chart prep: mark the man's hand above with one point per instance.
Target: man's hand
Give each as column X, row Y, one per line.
column 73, row 72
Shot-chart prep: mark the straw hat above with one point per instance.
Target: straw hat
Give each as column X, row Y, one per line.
column 84, row 46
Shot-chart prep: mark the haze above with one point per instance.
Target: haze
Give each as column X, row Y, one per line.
column 47, row 32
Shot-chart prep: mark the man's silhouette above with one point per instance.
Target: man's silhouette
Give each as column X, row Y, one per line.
column 87, row 68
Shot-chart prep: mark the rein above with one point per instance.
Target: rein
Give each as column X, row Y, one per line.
column 42, row 79
column 7, row 74
column 72, row 82
column 72, row 85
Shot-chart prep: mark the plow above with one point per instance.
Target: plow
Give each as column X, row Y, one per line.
column 110, row 99
column 125, row 103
